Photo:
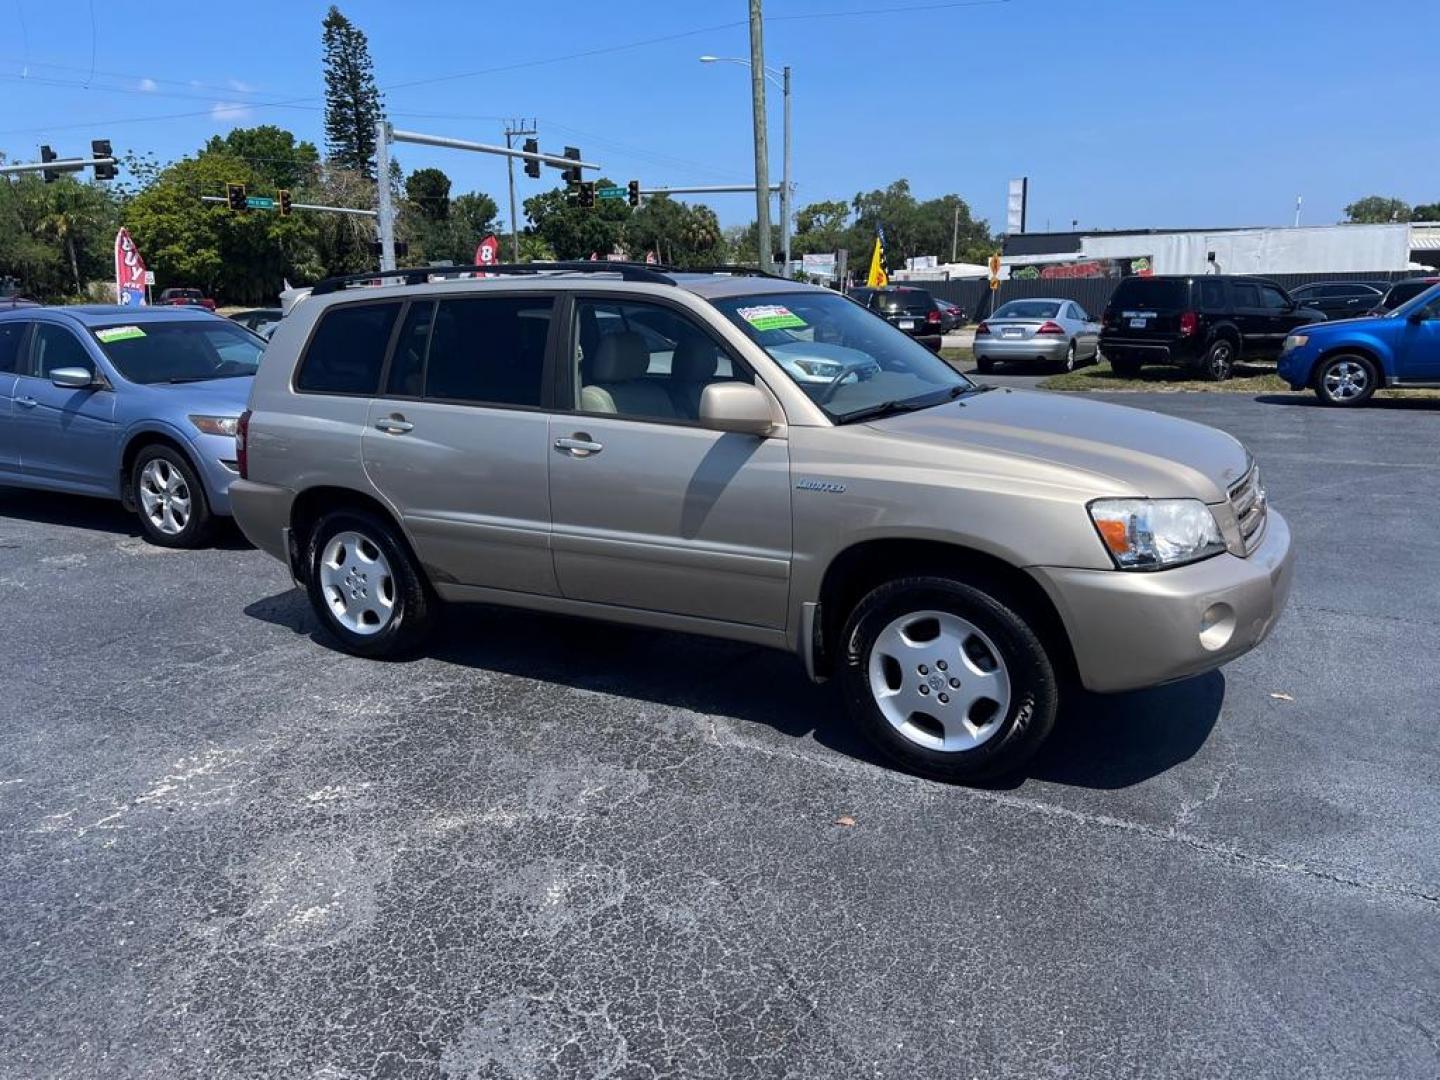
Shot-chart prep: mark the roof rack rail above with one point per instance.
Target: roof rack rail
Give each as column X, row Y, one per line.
column 725, row 268
column 420, row 275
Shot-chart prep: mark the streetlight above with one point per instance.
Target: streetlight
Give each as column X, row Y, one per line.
column 781, row 79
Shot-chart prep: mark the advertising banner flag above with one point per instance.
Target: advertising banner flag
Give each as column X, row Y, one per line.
column 878, row 278
column 129, row 271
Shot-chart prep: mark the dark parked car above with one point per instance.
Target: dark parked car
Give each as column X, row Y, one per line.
column 1340, row 299
column 1403, row 291
column 186, row 298
column 909, row 309
column 1206, row 323
column 952, row 316
column 261, row 320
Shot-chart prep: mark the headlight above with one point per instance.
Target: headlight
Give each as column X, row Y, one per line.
column 1150, row 534
column 215, row 425
column 818, row 367
column 1294, row 341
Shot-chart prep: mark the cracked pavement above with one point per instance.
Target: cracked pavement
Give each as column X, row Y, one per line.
column 551, row 848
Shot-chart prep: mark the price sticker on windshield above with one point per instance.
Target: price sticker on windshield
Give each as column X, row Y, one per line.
column 772, row 317
column 118, row 333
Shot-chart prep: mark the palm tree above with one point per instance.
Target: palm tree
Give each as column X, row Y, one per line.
column 71, row 215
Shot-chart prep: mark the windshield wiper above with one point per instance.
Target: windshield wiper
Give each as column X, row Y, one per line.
column 904, row 405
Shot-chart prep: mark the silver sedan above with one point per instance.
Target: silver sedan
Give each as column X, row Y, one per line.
column 1056, row 333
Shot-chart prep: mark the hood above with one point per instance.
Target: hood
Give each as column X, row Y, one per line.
column 1148, row 453
column 1344, row 325
column 218, row 396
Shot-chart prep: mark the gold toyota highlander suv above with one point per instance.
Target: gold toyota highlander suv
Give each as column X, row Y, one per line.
column 742, row 456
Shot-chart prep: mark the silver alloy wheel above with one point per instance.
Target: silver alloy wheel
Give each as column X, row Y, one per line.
column 1345, row 380
column 357, row 584
column 164, row 496
column 939, row 681
column 1070, row 357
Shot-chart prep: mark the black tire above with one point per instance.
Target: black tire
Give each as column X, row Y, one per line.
column 1124, row 366
column 1067, row 363
column 1346, row 380
column 1034, row 688
column 414, row 606
column 186, row 489
column 1218, row 363
column 984, row 366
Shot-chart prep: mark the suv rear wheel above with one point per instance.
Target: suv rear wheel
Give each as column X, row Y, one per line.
column 1347, row 379
column 365, row 587
column 1218, row 363
column 947, row 680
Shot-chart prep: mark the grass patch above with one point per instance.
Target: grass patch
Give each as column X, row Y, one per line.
column 1248, row 379
column 959, row 359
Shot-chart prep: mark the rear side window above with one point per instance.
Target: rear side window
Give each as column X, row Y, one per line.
column 489, row 350
column 1212, row 294
column 347, row 350
column 1150, row 294
column 11, row 334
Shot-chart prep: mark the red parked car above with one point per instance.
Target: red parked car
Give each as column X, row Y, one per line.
column 186, row 298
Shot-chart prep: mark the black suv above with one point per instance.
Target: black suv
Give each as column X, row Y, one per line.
column 1206, row 323
column 909, row 309
column 1340, row 299
column 1400, row 291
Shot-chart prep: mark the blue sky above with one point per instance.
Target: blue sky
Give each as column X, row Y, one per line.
column 1122, row 112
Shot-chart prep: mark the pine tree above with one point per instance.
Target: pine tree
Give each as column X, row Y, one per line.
column 352, row 102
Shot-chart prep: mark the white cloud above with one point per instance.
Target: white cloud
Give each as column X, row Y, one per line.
column 231, row 111
column 149, row 85
column 241, row 87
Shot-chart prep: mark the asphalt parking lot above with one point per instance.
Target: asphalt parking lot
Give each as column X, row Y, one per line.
column 554, row 849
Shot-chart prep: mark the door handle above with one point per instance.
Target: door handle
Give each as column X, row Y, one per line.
column 26, row 402
column 579, row 445
column 394, row 425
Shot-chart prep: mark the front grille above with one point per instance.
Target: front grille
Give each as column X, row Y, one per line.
column 1247, row 499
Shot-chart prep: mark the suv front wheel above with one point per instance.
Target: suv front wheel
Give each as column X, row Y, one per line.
column 946, row 680
column 365, row 587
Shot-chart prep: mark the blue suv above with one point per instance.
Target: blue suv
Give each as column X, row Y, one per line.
column 135, row 404
column 1346, row 362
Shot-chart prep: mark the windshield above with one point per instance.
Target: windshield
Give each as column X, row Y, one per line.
column 847, row 360
column 180, row 351
column 1027, row 309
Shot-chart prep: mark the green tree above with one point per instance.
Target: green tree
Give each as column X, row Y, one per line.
column 574, row 232
column 55, row 237
column 680, row 234
column 77, row 217
column 1377, row 209
column 914, row 228
column 352, row 102
column 429, row 190
column 276, row 156
column 820, row 227
column 1426, row 212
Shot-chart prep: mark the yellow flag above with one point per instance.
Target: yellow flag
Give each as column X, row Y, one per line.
column 877, row 278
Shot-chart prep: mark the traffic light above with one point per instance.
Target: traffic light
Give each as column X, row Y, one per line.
column 532, row 167
column 282, row 197
column 47, row 155
column 235, row 196
column 100, row 148
column 572, row 174
column 634, row 192
column 587, row 193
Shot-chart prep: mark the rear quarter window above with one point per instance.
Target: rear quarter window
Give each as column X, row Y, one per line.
column 347, row 350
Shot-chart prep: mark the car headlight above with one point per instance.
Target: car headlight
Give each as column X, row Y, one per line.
column 818, row 367
column 1295, row 341
column 1150, row 534
column 215, row 425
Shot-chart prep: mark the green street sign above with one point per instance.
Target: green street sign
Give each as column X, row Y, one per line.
column 259, row 202
column 610, row 193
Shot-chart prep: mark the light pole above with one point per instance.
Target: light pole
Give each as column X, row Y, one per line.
column 781, row 79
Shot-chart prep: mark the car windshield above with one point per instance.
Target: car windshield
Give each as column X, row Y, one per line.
column 851, row 363
column 1027, row 309
column 180, row 350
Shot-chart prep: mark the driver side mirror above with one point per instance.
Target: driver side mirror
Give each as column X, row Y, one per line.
column 737, row 407
column 72, row 378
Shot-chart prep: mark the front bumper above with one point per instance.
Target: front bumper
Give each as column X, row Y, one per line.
column 1295, row 367
column 1129, row 630
column 215, row 456
column 1046, row 350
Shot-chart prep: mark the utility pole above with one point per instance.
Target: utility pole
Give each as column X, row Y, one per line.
column 955, row 236
column 762, row 166
column 510, row 133
column 785, row 190
column 382, row 186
